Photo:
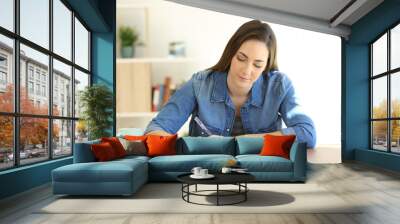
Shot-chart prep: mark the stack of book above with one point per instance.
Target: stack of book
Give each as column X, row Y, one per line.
column 161, row 93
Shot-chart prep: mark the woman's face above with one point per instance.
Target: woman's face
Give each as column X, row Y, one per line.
column 248, row 63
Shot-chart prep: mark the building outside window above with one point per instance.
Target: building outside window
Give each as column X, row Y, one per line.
column 37, row 75
column 43, row 78
column 34, row 79
column 38, row 89
column 3, row 61
column 3, row 72
column 30, row 87
column 30, row 72
column 43, row 90
column 3, row 78
column 385, row 91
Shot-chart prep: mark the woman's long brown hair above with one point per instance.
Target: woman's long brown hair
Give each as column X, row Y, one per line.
column 252, row 30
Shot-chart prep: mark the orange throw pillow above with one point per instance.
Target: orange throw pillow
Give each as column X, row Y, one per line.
column 161, row 145
column 277, row 145
column 136, row 138
column 103, row 152
column 116, row 145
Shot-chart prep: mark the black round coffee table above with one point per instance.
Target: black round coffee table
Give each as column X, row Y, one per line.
column 238, row 179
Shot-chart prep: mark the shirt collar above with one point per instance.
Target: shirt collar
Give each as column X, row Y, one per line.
column 220, row 89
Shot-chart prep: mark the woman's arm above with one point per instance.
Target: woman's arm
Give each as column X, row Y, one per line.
column 261, row 134
column 297, row 122
column 160, row 132
column 175, row 113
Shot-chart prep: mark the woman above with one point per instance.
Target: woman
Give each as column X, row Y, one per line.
column 243, row 94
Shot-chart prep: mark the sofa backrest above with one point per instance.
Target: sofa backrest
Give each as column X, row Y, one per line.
column 249, row 145
column 192, row 146
column 83, row 152
column 206, row 145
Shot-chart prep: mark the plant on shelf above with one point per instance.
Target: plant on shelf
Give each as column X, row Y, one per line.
column 96, row 102
column 128, row 37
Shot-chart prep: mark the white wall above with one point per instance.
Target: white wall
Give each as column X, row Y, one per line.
column 312, row 60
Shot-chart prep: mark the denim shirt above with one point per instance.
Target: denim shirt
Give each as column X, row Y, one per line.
column 271, row 100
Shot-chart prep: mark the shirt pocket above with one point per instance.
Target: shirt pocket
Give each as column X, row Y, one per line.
column 198, row 131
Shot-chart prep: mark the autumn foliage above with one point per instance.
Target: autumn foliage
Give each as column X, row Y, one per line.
column 33, row 131
column 380, row 127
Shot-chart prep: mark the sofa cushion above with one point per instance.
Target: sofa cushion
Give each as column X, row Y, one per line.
column 131, row 158
column 83, row 152
column 185, row 163
column 161, row 145
column 275, row 145
column 116, row 145
column 111, row 171
column 136, row 147
column 249, row 145
column 257, row 163
column 136, row 137
column 103, row 151
column 206, row 145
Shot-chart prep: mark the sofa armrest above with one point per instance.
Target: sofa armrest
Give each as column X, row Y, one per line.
column 83, row 152
column 298, row 155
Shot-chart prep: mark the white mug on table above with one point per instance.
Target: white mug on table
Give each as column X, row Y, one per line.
column 196, row 171
column 226, row 170
column 203, row 172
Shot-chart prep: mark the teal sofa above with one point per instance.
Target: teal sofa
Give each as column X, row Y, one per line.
column 125, row 176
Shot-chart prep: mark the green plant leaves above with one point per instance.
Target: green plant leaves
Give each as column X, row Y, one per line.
column 97, row 104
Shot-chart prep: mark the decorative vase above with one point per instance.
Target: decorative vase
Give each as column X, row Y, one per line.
column 127, row 52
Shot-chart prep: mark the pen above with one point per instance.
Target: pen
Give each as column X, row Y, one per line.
column 202, row 126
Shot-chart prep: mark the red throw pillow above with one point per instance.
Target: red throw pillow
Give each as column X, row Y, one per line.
column 277, row 145
column 161, row 145
column 103, row 152
column 116, row 145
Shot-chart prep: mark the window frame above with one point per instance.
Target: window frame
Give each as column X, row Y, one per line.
column 16, row 114
column 388, row 74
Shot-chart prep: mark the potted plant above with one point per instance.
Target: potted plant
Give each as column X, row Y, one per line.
column 96, row 102
column 128, row 37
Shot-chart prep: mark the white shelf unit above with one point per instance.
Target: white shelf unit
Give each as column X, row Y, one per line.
column 136, row 76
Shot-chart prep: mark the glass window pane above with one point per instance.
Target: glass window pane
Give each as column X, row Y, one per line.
column 395, row 47
column 81, row 131
column 62, row 29
column 6, row 142
column 395, row 94
column 81, row 45
column 62, row 89
column 62, row 138
column 7, row 14
column 379, row 135
column 379, row 55
column 6, row 74
column 35, row 21
column 81, row 81
column 34, row 78
column 379, row 98
column 33, row 140
column 395, row 136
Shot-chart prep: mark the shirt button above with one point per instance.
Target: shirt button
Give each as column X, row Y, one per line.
column 228, row 129
column 202, row 133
